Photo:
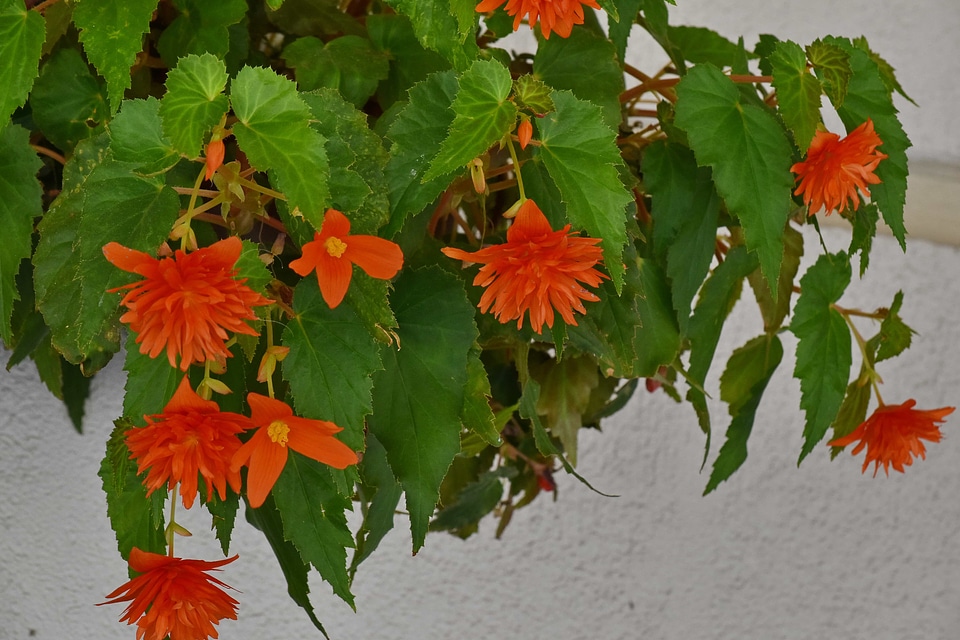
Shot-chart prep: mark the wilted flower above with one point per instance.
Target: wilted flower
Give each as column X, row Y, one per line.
column 893, row 434
column 537, row 270
column 835, row 168
column 191, row 437
column 265, row 454
column 333, row 252
column 555, row 15
column 186, row 304
column 174, row 597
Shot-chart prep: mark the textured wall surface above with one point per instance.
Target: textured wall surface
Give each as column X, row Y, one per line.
column 777, row 552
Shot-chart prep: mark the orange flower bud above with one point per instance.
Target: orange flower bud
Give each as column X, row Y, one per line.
column 524, row 132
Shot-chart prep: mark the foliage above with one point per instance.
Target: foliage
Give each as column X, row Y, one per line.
column 165, row 125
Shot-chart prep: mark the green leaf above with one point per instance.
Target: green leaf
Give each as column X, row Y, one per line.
column 620, row 30
column 798, row 92
column 685, row 211
column 194, row 102
column 586, row 64
column 832, row 66
column 349, row 64
column 69, row 104
column 57, row 18
column 868, row 97
column 418, row 398
column 887, row 73
column 774, row 309
column 330, row 363
column 102, row 201
column 420, row 128
column 565, row 390
column 136, row 137
column 582, row 157
column 378, row 516
column 410, row 63
column 742, row 386
column 224, row 516
column 267, row 520
column 853, row 411
column 273, row 129
column 864, row 223
column 201, row 27
column 21, row 40
column 136, row 519
column 483, row 115
column 477, row 415
column 895, row 336
column 654, row 21
column 151, row 382
column 699, row 44
column 476, row 500
column 530, row 92
column 823, row 351
column 439, row 30
column 112, row 36
column 749, row 154
column 313, row 517
column 20, row 203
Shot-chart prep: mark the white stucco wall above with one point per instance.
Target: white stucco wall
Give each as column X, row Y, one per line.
column 777, row 552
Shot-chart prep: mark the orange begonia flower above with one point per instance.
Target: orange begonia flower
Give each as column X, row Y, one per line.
column 265, row 454
column 555, row 15
column 333, row 252
column 191, row 437
column 537, row 270
column 186, row 304
column 893, row 434
column 174, row 597
column 835, row 169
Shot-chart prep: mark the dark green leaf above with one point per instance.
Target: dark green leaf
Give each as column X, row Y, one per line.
column 69, row 104
column 887, row 73
column 224, row 516
column 112, row 36
column 419, row 396
column 853, row 411
column 151, row 382
column 895, row 336
column 477, row 415
column 774, row 309
column 20, row 203
column 378, row 517
column 410, row 63
column 749, row 154
column 699, row 44
column 332, row 357
column 76, row 390
column 136, row 137
column 201, row 27
column 742, row 386
column 439, row 30
column 798, row 92
column 194, row 101
column 620, row 30
column 823, row 351
column 349, row 64
column 655, row 20
column 475, row 501
column 581, row 155
column 313, row 517
column 864, row 225
column 21, row 40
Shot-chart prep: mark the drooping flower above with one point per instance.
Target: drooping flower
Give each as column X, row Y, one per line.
column 835, row 168
column 333, row 252
column 555, row 15
column 537, row 270
column 187, row 303
column 278, row 430
column 174, row 597
column 191, row 438
column 893, row 434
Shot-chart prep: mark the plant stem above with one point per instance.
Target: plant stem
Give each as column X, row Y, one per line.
column 516, row 168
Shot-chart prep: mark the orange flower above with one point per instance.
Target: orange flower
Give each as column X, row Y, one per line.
column 893, row 434
column 174, row 597
column 537, row 270
column 333, row 252
column 835, row 168
column 214, row 156
column 555, row 15
column 265, row 454
column 524, row 132
column 191, row 437
column 187, row 303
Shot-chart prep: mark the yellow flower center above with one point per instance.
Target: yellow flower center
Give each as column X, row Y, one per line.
column 279, row 432
column 335, row 247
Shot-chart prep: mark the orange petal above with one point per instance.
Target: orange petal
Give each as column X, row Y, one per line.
column 127, row 259
column 266, row 463
column 186, row 399
column 313, row 443
column 225, row 252
column 529, row 223
column 334, row 224
column 311, row 253
column 264, row 410
column 379, row 258
column 333, row 276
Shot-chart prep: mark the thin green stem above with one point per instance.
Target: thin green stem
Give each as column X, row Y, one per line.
column 171, row 525
column 516, row 168
column 270, row 344
column 185, row 238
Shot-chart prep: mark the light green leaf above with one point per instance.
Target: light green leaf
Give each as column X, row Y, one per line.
column 582, row 157
column 417, row 133
column 749, row 154
column 57, row 18
column 418, row 398
column 699, row 44
column 194, row 102
column 273, row 129
column 477, row 415
column 331, row 360
column 853, row 411
column 530, row 92
column 585, row 64
column 887, row 73
column 832, row 66
column 742, row 386
column 774, row 309
column 136, row 137
column 798, row 92
column 823, row 351
column 20, row 203
column 151, row 382
column 201, row 27
column 313, row 517
column 21, row 40
column 112, row 36
column 565, row 390
column 483, row 115
column 439, row 30
column 69, row 104
column 349, row 64
column 102, row 201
